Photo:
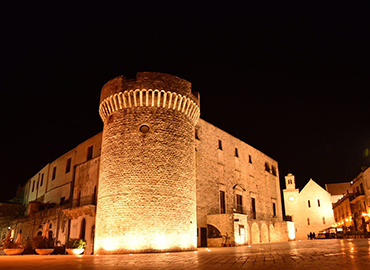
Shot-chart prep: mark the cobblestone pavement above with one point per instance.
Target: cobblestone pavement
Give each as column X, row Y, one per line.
column 316, row 254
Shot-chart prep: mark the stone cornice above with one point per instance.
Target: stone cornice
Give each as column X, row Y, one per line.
column 149, row 98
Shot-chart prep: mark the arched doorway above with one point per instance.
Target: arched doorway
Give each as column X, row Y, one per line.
column 272, row 233
column 255, row 234
column 264, row 233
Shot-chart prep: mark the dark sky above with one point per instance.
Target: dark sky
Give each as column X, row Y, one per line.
column 292, row 81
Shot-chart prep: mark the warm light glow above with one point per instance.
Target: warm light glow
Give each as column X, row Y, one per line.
column 156, row 241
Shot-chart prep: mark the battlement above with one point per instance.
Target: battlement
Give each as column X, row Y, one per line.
column 149, row 80
column 175, row 93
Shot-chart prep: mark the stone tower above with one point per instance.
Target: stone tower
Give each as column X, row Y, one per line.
column 147, row 183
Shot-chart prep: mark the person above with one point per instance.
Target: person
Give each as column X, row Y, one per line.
column 313, row 235
column 310, row 235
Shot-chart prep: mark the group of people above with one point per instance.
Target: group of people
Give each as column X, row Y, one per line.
column 311, row 236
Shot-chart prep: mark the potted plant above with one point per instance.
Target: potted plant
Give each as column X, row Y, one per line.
column 12, row 247
column 75, row 246
column 42, row 245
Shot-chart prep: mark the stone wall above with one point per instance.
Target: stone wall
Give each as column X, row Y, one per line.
column 225, row 163
column 146, row 199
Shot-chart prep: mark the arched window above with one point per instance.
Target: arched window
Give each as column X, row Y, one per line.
column 213, row 232
column 50, row 235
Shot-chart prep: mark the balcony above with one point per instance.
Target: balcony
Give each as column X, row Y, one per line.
column 87, row 200
column 357, row 197
column 82, row 206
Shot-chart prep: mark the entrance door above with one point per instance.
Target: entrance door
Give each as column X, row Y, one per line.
column 203, row 237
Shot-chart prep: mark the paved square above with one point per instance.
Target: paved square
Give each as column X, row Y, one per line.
column 317, row 254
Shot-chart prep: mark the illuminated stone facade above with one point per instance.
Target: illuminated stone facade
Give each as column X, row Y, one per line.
column 156, row 179
column 352, row 211
column 147, row 168
column 310, row 208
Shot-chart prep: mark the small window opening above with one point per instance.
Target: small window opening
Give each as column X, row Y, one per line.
column 42, row 179
column 309, row 203
column 250, row 159
column 318, row 203
column 54, row 173
column 89, row 153
column 308, row 221
column 220, row 144
column 68, row 165
column 236, row 152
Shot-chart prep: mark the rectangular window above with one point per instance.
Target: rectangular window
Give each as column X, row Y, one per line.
column 308, row 221
column 54, row 173
column 236, row 152
column 318, row 202
column 220, row 144
column 274, row 209
column 33, row 185
column 323, row 220
column 253, row 206
column 250, row 159
column 68, row 165
column 89, row 153
column 273, row 170
column 196, row 134
column 222, row 202
column 42, row 180
column 309, row 203
column 239, row 203
column 267, row 167
column 62, row 200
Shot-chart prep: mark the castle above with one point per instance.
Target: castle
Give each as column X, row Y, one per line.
column 157, row 178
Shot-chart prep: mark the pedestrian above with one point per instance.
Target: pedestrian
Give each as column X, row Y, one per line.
column 313, row 235
column 310, row 235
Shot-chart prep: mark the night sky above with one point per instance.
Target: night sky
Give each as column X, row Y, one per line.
column 292, row 81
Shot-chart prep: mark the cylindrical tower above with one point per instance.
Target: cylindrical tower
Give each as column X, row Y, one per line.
column 147, row 184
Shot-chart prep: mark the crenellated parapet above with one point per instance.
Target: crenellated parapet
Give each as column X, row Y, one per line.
column 149, row 98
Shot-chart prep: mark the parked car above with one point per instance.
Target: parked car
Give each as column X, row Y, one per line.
column 321, row 236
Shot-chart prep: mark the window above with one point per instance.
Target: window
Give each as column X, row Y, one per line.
column 250, row 159
column 290, row 181
column 308, row 221
column 222, row 202
column 274, row 209
column 54, row 173
column 42, row 179
column 89, row 153
column 318, row 202
column 197, row 134
column 213, row 232
column 62, row 200
column 323, row 220
column 273, row 170
column 220, row 144
column 253, row 206
column 68, row 165
column 239, row 203
column 309, row 203
column 236, row 152
column 267, row 167
column 33, row 185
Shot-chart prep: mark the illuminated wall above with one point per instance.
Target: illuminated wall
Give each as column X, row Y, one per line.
column 147, row 184
column 311, row 208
